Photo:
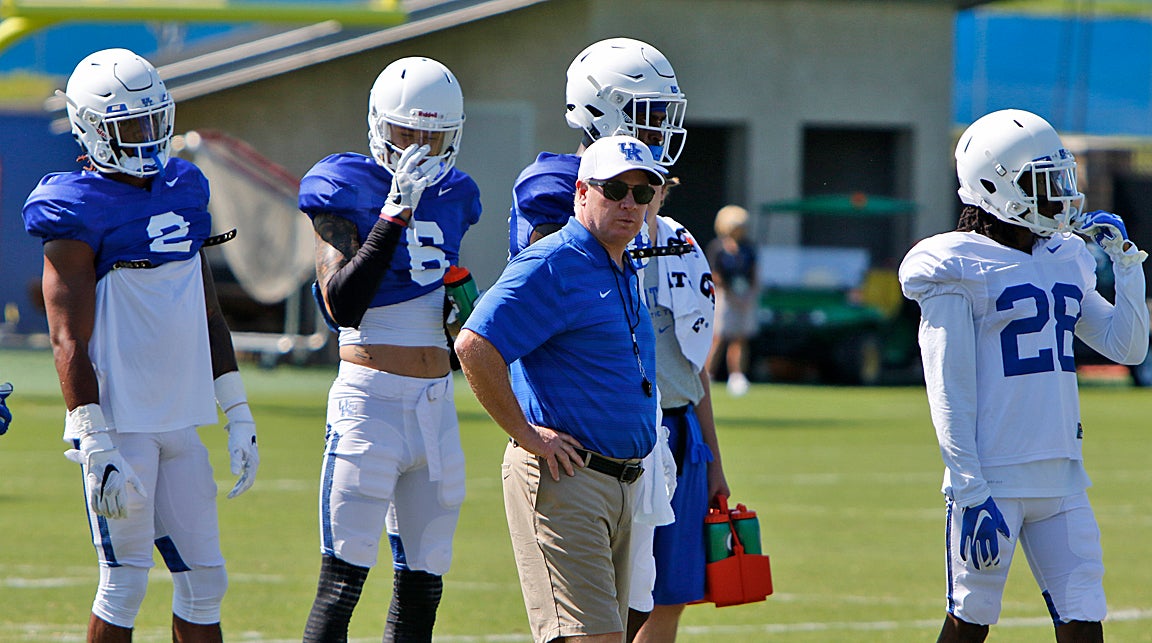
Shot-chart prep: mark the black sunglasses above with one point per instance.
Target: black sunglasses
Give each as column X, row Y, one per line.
column 617, row 190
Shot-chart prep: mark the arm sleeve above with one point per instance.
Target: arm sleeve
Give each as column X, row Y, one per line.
column 1118, row 332
column 351, row 289
column 948, row 349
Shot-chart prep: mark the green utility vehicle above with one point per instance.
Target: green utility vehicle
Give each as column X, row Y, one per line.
column 833, row 313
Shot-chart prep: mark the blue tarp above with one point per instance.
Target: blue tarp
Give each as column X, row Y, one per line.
column 1085, row 75
column 28, row 151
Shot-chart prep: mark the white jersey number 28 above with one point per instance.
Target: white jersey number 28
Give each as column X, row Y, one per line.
column 1056, row 309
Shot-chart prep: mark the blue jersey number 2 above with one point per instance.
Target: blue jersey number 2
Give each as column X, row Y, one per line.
column 1057, row 310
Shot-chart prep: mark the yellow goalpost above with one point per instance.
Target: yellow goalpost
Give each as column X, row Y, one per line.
column 22, row 17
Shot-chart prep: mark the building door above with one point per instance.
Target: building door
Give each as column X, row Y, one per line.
column 848, row 160
column 711, row 171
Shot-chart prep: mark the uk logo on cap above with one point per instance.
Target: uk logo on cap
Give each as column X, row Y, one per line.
column 631, row 151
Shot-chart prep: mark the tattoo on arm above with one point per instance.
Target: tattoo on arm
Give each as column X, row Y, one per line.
column 336, row 243
column 362, row 354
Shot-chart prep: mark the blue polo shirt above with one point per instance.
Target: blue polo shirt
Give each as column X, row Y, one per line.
column 562, row 315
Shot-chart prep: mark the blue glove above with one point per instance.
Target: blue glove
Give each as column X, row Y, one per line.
column 1108, row 231
column 1105, row 228
column 978, row 539
column 5, row 414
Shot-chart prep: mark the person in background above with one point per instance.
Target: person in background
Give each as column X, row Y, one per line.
column 142, row 350
column 1001, row 298
column 733, row 260
column 388, row 229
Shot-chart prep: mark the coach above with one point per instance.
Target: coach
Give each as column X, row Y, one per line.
column 560, row 352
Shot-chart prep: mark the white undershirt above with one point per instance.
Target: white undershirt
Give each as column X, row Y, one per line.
column 416, row 322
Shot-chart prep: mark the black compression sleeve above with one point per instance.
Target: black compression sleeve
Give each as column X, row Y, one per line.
column 352, row 287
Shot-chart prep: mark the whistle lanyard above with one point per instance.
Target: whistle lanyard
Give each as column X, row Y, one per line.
column 631, row 309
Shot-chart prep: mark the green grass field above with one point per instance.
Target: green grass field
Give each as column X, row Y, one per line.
column 845, row 481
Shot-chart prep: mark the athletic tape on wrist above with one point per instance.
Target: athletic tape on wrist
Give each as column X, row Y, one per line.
column 86, row 420
column 231, row 397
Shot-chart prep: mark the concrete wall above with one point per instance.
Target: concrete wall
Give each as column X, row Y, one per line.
column 770, row 66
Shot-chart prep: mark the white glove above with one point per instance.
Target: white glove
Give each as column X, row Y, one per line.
column 408, row 183
column 107, row 475
column 244, row 457
column 1108, row 231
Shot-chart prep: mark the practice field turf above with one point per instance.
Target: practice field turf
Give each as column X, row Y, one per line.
column 845, row 481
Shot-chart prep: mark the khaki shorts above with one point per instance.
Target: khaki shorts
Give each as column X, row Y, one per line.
column 736, row 317
column 571, row 541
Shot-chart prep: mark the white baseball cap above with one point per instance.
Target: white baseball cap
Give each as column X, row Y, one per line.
column 611, row 156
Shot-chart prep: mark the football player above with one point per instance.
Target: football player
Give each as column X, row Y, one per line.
column 1001, row 298
column 388, row 226
column 668, row 561
column 141, row 348
column 615, row 86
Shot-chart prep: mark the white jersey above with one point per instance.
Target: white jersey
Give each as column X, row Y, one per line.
column 150, row 349
column 1023, row 407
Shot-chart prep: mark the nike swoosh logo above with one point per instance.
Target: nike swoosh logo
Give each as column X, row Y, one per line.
column 604, row 294
column 664, row 329
column 172, row 182
column 1054, row 249
column 444, row 191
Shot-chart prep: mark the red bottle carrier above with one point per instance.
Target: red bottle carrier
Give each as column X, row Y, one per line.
column 733, row 575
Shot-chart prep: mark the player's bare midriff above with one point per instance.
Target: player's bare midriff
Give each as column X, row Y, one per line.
column 407, row 361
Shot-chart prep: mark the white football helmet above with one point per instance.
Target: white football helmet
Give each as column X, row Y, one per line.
column 416, row 101
column 1006, row 159
column 625, row 86
column 121, row 113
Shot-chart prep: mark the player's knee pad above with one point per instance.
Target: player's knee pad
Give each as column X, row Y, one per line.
column 1082, row 597
column 412, row 614
column 198, row 593
column 119, row 595
column 337, row 593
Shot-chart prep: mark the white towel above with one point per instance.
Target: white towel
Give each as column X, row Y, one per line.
column 654, row 489
column 685, row 288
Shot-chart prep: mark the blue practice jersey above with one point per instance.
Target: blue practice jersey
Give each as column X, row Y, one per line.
column 121, row 222
column 543, row 193
column 354, row 187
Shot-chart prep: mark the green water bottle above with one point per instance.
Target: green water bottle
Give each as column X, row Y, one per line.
column 747, row 528
column 717, row 536
column 461, row 289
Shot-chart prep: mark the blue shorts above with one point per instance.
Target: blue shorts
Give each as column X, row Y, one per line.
column 679, row 547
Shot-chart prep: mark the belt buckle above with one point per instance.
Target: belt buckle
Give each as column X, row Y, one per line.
column 631, row 473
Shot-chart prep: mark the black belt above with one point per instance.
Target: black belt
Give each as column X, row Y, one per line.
column 624, row 471
column 145, row 264
column 676, row 411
